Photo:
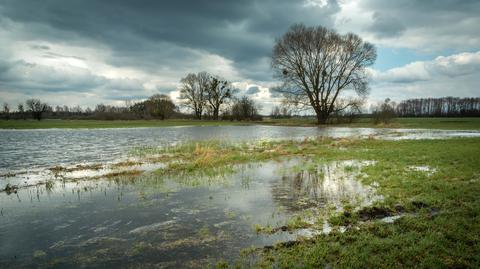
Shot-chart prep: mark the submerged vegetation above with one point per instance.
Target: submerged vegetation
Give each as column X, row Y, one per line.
column 435, row 209
column 426, row 215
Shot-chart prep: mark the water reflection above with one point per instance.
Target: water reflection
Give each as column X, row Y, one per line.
column 332, row 183
column 152, row 221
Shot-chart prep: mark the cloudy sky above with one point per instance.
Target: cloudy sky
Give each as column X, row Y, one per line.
column 85, row 52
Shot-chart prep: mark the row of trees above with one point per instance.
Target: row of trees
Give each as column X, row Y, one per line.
column 206, row 94
column 158, row 106
column 35, row 107
column 427, row 107
column 439, row 107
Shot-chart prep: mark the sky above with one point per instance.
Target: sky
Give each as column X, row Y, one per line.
column 86, row 52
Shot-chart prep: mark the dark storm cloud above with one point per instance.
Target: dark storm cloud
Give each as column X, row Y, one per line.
column 149, row 33
column 457, row 19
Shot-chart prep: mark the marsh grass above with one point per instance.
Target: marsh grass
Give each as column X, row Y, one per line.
column 441, row 228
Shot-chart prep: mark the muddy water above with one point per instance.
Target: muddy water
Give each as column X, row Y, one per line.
column 172, row 222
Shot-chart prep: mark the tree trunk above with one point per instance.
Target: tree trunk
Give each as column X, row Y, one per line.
column 321, row 118
column 215, row 114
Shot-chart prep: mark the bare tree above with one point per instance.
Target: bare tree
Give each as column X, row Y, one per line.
column 384, row 113
column 245, row 109
column 218, row 92
column 317, row 64
column 6, row 110
column 21, row 111
column 36, row 107
column 193, row 92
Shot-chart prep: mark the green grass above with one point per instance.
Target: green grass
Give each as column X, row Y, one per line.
column 429, row 123
column 419, row 239
column 414, row 123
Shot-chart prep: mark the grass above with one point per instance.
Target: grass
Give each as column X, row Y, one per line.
column 441, row 227
column 429, row 123
column 449, row 238
column 414, row 123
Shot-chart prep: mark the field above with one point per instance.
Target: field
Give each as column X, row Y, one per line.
column 439, row 225
column 428, row 216
column 414, row 123
column 428, row 123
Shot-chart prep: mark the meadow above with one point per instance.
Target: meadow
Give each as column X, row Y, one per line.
column 472, row 123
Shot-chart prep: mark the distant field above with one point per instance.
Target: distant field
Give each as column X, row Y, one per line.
column 429, row 123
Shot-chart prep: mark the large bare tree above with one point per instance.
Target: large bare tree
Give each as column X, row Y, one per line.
column 193, row 92
column 317, row 64
column 218, row 92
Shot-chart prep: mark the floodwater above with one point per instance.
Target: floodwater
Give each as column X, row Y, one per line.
column 31, row 149
column 155, row 221
column 171, row 222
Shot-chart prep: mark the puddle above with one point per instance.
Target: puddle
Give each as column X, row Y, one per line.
column 391, row 219
column 170, row 222
column 423, row 168
column 55, row 174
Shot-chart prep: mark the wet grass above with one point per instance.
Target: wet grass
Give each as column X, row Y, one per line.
column 440, row 209
column 471, row 123
column 442, row 224
column 414, row 123
column 440, row 230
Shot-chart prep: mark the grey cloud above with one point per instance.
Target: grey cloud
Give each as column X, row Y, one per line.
column 442, row 24
column 49, row 54
column 274, row 93
column 252, row 90
column 40, row 47
column 384, row 26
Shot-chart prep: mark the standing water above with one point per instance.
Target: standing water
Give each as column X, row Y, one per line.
column 164, row 221
column 170, row 222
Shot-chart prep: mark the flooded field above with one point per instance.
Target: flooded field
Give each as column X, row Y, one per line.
column 174, row 221
column 79, row 198
column 31, row 156
column 32, row 149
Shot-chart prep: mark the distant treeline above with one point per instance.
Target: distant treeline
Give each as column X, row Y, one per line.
column 161, row 107
column 207, row 96
column 158, row 106
column 439, row 107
